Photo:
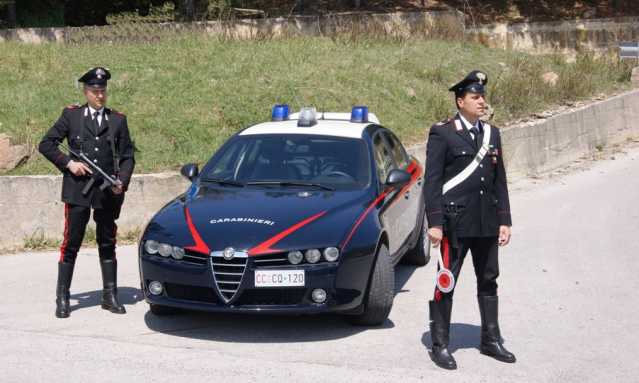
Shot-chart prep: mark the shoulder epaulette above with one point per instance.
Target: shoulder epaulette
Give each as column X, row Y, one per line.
column 118, row 113
column 444, row 121
column 72, row 106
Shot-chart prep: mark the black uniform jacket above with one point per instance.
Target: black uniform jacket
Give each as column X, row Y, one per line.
column 481, row 199
column 83, row 135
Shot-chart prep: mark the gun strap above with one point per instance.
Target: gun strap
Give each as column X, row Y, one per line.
column 464, row 174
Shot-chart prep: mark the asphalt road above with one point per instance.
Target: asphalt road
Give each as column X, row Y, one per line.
column 569, row 310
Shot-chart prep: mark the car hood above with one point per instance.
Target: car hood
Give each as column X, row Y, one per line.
column 258, row 220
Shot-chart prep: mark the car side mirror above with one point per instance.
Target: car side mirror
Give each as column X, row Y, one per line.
column 397, row 177
column 189, row 171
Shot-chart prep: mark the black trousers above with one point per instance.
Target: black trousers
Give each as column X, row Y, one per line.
column 484, row 251
column 75, row 223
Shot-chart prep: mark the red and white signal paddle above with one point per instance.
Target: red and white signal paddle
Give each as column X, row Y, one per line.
column 445, row 279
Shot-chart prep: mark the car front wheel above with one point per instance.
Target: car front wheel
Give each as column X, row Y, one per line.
column 381, row 292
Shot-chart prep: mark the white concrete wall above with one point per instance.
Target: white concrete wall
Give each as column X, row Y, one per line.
column 567, row 36
column 30, row 204
column 435, row 23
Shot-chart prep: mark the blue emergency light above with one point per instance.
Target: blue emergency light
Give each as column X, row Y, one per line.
column 280, row 112
column 359, row 114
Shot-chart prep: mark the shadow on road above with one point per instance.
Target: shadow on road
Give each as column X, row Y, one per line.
column 462, row 336
column 126, row 296
column 402, row 275
column 264, row 328
column 246, row 328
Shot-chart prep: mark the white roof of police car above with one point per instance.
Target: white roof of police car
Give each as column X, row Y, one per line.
column 333, row 124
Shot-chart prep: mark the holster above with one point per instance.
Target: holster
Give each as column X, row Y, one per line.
column 451, row 217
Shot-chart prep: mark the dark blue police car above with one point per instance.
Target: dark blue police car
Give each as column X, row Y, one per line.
column 307, row 213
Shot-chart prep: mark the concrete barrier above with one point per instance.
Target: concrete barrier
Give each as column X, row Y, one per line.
column 30, row 204
column 544, row 145
column 448, row 24
column 567, row 36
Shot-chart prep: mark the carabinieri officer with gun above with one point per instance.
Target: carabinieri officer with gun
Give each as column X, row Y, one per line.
column 467, row 207
column 96, row 173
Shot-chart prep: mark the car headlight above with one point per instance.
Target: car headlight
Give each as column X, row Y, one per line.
column 151, row 246
column 295, row 257
column 313, row 255
column 178, row 252
column 331, row 254
column 165, row 250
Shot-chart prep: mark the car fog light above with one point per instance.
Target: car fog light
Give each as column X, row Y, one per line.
column 331, row 254
column 151, row 246
column 155, row 288
column 178, row 252
column 313, row 255
column 295, row 257
column 319, row 295
column 165, row 250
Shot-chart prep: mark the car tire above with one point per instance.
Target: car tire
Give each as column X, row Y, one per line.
column 381, row 292
column 160, row 310
column 419, row 255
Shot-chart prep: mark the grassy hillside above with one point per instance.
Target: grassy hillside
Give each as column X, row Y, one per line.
column 185, row 96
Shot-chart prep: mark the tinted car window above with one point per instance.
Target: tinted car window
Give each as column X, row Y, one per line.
column 383, row 158
column 397, row 150
column 331, row 161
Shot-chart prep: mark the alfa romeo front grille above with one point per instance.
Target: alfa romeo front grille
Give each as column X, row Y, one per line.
column 279, row 259
column 195, row 258
column 228, row 273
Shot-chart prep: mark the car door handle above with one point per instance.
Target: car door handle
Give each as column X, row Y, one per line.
column 407, row 194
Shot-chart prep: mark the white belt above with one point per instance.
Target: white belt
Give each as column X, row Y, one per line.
column 464, row 174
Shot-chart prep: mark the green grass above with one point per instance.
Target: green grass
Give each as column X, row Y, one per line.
column 39, row 241
column 185, row 96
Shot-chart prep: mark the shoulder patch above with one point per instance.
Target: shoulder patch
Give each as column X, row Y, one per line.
column 118, row 113
column 444, row 122
column 72, row 106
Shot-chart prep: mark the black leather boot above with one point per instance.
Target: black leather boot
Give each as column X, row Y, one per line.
column 65, row 274
column 491, row 342
column 110, row 288
column 439, row 333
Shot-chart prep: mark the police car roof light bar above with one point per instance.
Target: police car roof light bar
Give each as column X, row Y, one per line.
column 280, row 112
column 359, row 114
column 307, row 117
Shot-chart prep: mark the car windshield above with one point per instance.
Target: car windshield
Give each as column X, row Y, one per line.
column 291, row 161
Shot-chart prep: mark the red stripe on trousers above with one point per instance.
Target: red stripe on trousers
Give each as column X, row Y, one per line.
column 65, row 241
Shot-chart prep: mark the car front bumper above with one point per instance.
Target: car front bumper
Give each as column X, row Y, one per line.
column 192, row 286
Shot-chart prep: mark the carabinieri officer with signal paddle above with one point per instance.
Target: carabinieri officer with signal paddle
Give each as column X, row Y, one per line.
column 467, row 207
column 102, row 136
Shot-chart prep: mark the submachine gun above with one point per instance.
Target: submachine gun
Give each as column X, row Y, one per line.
column 107, row 180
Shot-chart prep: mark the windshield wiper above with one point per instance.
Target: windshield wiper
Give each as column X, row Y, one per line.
column 291, row 183
column 223, row 182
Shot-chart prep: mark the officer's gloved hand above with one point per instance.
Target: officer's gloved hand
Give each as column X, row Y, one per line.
column 78, row 168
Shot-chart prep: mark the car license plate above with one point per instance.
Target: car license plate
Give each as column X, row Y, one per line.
column 279, row 278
